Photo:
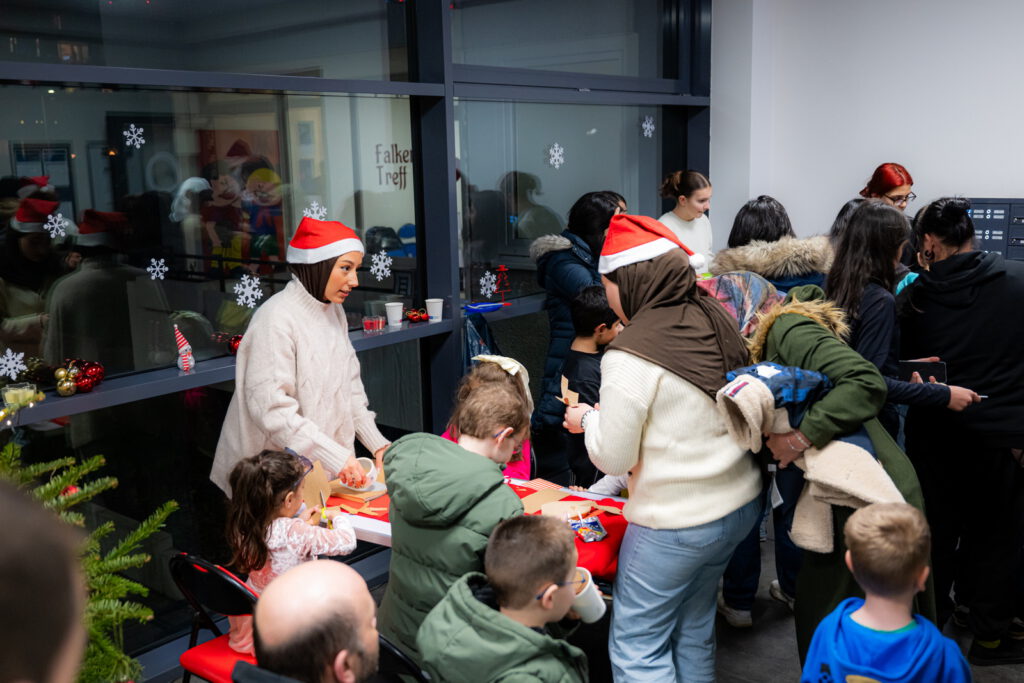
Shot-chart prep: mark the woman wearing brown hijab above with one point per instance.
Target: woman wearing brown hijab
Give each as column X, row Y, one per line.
column 693, row 492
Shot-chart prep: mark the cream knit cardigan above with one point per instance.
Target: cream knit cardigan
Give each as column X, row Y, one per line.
column 684, row 467
column 297, row 385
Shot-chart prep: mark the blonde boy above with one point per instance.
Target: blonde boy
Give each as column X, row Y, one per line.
column 879, row 637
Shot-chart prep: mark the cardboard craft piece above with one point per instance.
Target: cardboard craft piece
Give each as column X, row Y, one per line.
column 344, row 492
column 533, row 502
column 573, row 508
column 569, row 398
column 315, row 485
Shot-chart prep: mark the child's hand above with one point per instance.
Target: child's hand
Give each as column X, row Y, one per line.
column 332, row 513
column 577, row 488
column 311, row 516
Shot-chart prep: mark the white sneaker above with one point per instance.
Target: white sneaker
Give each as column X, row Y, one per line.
column 775, row 590
column 737, row 618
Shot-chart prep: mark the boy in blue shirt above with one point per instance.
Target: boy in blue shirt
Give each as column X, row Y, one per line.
column 878, row 638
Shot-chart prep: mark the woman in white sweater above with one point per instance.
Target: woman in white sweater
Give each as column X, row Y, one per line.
column 693, row 492
column 297, row 381
column 688, row 219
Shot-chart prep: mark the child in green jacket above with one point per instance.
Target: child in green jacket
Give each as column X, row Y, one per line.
column 494, row 627
column 446, row 498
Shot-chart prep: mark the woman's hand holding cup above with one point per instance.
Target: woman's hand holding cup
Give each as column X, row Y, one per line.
column 352, row 474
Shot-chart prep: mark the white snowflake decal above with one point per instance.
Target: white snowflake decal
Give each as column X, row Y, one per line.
column 248, row 291
column 11, row 364
column 157, row 269
column 56, row 224
column 648, row 125
column 315, row 211
column 381, row 267
column 133, row 137
column 556, row 155
column 488, row 284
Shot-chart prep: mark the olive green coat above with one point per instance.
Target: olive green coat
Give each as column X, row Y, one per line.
column 445, row 501
column 805, row 332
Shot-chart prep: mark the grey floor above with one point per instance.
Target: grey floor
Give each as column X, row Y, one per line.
column 767, row 651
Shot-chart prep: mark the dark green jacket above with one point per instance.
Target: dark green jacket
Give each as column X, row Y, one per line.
column 465, row 639
column 805, row 332
column 445, row 501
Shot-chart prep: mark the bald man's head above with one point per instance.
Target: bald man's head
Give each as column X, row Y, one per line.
column 317, row 622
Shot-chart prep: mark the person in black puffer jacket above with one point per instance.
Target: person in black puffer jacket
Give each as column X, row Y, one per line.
column 566, row 264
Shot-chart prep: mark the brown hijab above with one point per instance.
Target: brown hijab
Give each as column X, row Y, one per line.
column 675, row 324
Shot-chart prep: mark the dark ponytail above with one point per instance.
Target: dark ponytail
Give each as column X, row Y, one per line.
column 682, row 184
column 258, row 487
column 947, row 219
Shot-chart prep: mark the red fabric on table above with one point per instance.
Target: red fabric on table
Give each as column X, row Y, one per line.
column 600, row 557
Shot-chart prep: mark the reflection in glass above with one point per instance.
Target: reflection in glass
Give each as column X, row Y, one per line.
column 365, row 40
column 177, row 208
column 611, row 37
column 512, row 192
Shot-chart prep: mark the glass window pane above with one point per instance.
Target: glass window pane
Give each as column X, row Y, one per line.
column 178, row 209
column 610, row 37
column 297, row 38
column 523, row 166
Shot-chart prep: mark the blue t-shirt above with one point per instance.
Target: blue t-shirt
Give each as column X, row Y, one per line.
column 920, row 654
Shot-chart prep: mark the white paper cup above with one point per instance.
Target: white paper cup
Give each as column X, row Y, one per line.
column 394, row 312
column 588, row 603
column 434, row 307
column 370, row 468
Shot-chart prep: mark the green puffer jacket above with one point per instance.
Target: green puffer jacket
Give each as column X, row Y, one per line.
column 465, row 639
column 445, row 501
column 805, row 332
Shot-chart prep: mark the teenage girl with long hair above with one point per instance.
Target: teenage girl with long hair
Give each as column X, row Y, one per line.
column 861, row 282
column 269, row 532
column 688, row 219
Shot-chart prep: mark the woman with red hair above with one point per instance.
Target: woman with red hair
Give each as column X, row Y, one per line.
column 891, row 183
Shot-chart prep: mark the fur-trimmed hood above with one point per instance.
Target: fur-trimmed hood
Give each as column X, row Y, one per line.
column 544, row 245
column 808, row 301
column 788, row 257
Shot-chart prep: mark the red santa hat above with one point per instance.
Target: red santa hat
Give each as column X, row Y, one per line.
column 32, row 214
column 632, row 239
column 317, row 241
column 34, row 184
column 179, row 338
column 100, row 227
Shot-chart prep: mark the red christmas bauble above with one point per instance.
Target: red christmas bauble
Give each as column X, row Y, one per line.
column 68, row 490
column 94, row 370
column 84, row 384
column 233, row 344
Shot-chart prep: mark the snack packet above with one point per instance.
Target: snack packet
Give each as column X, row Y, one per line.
column 589, row 529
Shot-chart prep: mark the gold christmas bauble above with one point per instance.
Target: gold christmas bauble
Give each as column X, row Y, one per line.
column 60, row 373
column 73, row 371
column 66, row 387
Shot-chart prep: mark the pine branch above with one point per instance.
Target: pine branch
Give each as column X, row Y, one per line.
column 146, row 528
column 115, row 586
column 70, row 475
column 86, row 491
column 110, row 565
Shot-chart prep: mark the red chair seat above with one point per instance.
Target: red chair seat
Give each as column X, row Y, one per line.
column 213, row 660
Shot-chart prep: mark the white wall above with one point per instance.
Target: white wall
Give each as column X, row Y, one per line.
column 808, row 96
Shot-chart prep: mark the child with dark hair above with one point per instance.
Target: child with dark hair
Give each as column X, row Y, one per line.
column 595, row 325
column 878, row 637
column 446, row 498
column 493, row 627
column 269, row 531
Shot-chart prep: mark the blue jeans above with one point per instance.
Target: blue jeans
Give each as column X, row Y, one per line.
column 744, row 571
column 663, row 618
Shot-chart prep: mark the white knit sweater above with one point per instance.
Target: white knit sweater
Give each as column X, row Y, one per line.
column 297, row 385
column 684, row 468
